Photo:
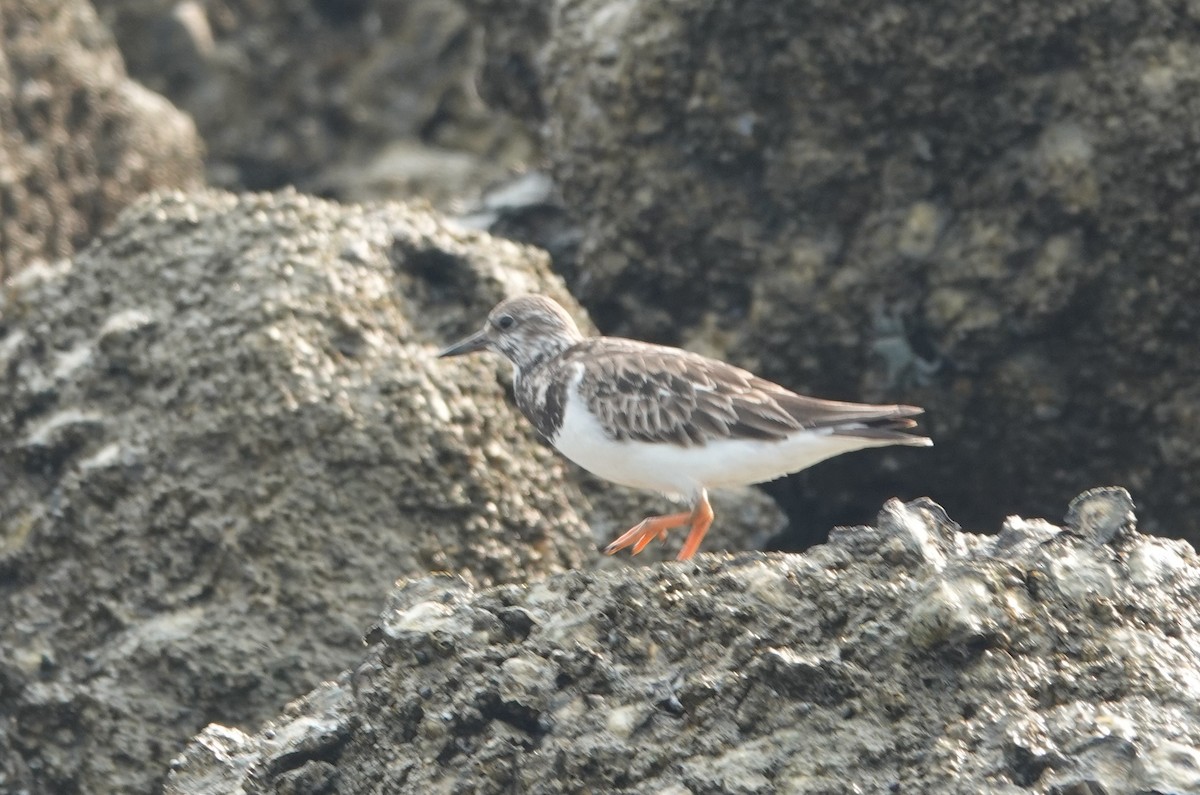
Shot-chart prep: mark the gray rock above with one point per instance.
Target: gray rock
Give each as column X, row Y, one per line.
column 354, row 100
column 78, row 139
column 988, row 212
column 223, row 436
column 908, row 656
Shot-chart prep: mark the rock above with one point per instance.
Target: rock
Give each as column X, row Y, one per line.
column 78, row 139
column 986, row 213
column 223, row 435
column 353, row 100
column 908, row 656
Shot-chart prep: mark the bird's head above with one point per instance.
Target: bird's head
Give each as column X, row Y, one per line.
column 527, row 330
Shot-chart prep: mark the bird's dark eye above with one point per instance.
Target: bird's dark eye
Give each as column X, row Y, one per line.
column 505, row 322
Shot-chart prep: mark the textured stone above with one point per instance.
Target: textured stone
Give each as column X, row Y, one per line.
column 987, row 210
column 223, row 435
column 354, row 100
column 78, row 139
column 904, row 657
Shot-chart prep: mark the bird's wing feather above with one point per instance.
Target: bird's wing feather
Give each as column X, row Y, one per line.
column 650, row 393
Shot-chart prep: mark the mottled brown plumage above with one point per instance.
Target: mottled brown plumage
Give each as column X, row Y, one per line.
column 657, row 394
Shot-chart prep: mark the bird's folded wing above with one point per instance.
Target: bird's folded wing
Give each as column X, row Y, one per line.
column 649, row 393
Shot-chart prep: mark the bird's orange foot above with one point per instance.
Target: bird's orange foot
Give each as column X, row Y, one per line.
column 699, row 519
column 647, row 530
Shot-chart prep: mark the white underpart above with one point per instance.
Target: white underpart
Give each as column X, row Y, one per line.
column 681, row 472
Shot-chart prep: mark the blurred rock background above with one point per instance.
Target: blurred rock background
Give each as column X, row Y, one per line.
column 351, row 99
column 989, row 212
column 78, row 138
column 986, row 214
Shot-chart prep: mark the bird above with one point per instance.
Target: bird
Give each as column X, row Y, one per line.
column 665, row 419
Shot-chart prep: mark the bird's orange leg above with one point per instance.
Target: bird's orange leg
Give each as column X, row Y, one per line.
column 702, row 519
column 647, row 530
column 699, row 519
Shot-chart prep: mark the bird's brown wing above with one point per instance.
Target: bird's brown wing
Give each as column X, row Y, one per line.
column 655, row 394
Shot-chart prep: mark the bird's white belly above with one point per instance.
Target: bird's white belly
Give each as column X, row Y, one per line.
column 682, row 471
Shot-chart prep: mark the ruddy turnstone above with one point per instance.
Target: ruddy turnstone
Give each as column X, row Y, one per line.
column 665, row 419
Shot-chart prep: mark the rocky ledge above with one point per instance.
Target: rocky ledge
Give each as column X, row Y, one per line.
column 905, row 657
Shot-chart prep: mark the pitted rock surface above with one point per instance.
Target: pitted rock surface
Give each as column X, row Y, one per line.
column 905, row 657
column 79, row 140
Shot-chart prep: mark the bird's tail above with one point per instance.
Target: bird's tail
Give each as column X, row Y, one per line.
column 889, row 427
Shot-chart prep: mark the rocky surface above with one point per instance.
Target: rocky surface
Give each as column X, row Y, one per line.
column 223, row 435
column 987, row 211
column 78, row 139
column 354, row 100
column 905, row 657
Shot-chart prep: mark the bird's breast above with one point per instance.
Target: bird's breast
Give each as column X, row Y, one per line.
column 541, row 397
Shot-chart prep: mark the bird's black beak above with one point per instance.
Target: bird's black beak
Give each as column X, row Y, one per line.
column 476, row 342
